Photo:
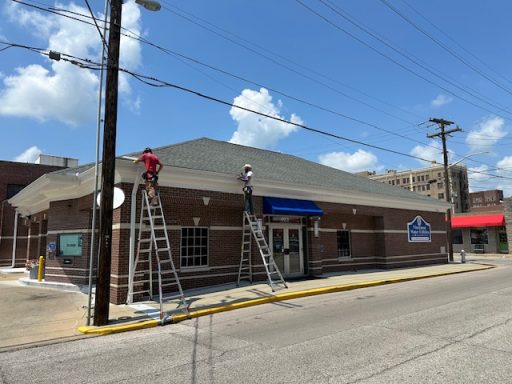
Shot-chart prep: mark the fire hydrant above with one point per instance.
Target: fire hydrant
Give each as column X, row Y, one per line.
column 463, row 256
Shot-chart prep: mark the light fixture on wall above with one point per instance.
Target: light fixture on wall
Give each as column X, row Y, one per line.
column 206, row 200
column 344, row 225
column 196, row 220
column 316, row 226
column 354, row 211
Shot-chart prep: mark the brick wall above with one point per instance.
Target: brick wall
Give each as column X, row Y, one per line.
column 17, row 174
column 378, row 235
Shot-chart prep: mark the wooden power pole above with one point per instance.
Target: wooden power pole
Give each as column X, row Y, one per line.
column 102, row 296
column 442, row 134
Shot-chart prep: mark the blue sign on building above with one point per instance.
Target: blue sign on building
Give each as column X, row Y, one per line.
column 418, row 230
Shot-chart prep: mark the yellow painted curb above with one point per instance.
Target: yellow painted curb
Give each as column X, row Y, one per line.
column 305, row 293
column 118, row 328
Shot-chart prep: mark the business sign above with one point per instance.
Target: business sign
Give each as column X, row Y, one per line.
column 418, row 231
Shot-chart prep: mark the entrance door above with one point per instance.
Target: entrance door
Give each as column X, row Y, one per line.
column 502, row 242
column 286, row 244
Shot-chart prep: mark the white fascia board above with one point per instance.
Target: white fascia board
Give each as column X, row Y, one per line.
column 220, row 182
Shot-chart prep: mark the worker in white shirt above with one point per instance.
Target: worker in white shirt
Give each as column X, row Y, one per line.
column 246, row 177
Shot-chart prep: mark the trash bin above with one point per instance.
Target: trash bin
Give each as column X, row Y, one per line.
column 33, row 272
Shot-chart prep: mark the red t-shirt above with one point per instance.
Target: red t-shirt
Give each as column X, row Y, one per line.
column 150, row 162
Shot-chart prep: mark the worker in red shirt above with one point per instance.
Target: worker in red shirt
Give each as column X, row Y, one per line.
column 151, row 161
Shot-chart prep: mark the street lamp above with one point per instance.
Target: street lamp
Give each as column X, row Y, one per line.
column 102, row 297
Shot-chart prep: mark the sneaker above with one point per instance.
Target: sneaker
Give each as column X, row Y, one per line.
column 154, row 203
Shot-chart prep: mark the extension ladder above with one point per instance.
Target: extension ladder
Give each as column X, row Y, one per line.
column 153, row 234
column 251, row 226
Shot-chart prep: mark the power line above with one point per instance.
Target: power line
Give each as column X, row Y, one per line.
column 97, row 27
column 436, row 27
column 477, row 95
column 447, row 49
column 154, row 82
column 190, row 15
column 392, row 59
column 179, row 55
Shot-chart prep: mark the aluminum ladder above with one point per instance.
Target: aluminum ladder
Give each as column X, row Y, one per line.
column 153, row 234
column 252, row 227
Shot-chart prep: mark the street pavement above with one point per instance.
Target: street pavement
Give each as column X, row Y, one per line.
column 450, row 329
column 36, row 313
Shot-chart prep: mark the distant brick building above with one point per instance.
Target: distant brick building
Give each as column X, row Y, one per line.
column 430, row 182
column 30, row 235
column 486, row 200
column 356, row 224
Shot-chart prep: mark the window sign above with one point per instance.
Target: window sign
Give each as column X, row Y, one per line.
column 418, row 231
column 70, row 244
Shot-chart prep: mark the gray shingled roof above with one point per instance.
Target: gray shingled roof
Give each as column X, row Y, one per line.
column 226, row 158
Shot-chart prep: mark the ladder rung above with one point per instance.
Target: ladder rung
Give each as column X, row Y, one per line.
column 163, row 249
column 160, row 238
column 139, row 292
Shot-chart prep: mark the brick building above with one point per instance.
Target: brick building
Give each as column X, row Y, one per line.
column 356, row 224
column 30, row 234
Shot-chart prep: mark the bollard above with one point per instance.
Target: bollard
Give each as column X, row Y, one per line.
column 463, row 256
column 41, row 269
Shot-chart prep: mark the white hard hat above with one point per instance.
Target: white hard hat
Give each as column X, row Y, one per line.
column 247, row 166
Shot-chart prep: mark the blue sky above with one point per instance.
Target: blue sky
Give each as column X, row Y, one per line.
column 445, row 59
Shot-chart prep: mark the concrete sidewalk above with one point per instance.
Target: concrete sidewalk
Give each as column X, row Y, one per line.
column 34, row 313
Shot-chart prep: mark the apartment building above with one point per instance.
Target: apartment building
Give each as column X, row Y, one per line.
column 430, row 182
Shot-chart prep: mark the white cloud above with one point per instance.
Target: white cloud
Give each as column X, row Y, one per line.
column 431, row 152
column 505, row 169
column 489, row 131
column 255, row 130
column 58, row 90
column 441, row 100
column 29, row 156
column 355, row 162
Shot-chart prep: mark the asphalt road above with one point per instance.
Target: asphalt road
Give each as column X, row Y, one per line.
column 452, row 329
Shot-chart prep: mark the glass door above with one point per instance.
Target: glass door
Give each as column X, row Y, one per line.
column 286, row 244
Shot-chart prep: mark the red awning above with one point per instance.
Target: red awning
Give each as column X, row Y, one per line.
column 497, row 220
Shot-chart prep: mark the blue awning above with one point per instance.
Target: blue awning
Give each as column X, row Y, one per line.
column 280, row 206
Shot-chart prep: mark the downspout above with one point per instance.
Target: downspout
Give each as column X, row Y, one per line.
column 131, row 257
column 14, row 239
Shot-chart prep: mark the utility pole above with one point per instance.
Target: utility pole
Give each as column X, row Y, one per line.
column 442, row 134
column 102, row 296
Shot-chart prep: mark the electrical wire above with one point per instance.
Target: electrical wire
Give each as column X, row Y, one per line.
column 337, row 9
column 97, row 27
column 437, row 28
column 393, row 60
column 284, row 94
column 446, row 48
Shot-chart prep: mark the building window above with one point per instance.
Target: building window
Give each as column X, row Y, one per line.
column 414, row 179
column 404, row 181
column 422, row 187
column 440, row 196
column 344, row 244
column 397, row 181
column 70, row 244
column 428, row 187
column 439, row 185
column 426, row 177
column 457, row 236
column 194, row 247
column 439, row 174
column 479, row 236
column 13, row 189
column 414, row 188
